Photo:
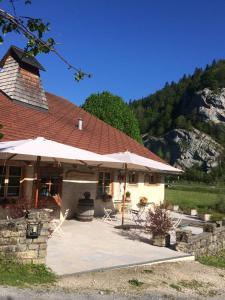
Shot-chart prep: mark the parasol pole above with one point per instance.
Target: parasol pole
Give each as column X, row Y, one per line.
column 37, row 181
column 124, row 192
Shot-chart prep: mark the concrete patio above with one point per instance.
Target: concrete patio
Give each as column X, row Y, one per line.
column 98, row 245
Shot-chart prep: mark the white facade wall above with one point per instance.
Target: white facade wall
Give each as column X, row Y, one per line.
column 154, row 192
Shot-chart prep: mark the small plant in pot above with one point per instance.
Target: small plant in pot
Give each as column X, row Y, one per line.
column 159, row 224
column 128, row 199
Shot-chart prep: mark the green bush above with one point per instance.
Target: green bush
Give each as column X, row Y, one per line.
column 217, row 217
column 220, row 205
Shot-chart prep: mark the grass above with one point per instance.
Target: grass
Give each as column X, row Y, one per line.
column 176, row 287
column 21, row 275
column 191, row 284
column 198, row 188
column 191, row 199
column 217, row 260
column 135, row 282
column 148, row 271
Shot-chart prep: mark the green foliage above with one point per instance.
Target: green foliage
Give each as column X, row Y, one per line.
column 135, row 282
column 165, row 110
column 176, row 287
column 220, row 206
column 114, row 111
column 34, row 30
column 191, row 199
column 217, row 260
column 199, row 174
column 17, row 274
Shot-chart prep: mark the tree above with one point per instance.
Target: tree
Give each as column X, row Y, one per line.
column 114, row 111
column 34, row 30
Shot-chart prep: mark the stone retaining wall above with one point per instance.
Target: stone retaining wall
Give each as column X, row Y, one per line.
column 210, row 241
column 14, row 243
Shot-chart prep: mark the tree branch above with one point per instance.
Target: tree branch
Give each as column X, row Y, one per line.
column 35, row 43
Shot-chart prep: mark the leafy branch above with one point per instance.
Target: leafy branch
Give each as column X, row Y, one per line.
column 34, row 30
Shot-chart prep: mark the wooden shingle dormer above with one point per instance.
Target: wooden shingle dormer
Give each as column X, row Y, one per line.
column 20, row 78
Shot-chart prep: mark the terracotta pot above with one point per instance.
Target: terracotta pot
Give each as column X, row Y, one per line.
column 161, row 240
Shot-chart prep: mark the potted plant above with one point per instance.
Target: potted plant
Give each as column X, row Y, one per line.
column 159, row 224
column 143, row 201
column 128, row 196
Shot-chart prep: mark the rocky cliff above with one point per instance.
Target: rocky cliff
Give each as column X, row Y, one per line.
column 208, row 104
column 187, row 148
column 184, row 122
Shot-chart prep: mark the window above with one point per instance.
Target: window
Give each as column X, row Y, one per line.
column 104, row 181
column 133, row 177
column 10, row 181
column 152, row 179
column 50, row 181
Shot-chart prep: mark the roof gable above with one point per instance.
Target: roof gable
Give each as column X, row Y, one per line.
column 21, row 57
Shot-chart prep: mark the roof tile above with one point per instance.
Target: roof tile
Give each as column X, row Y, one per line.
column 59, row 123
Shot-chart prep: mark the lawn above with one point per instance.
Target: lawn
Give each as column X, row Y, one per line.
column 21, row 275
column 217, row 260
column 191, row 199
column 202, row 197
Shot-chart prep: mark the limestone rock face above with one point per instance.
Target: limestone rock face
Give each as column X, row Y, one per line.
column 210, row 105
column 187, row 148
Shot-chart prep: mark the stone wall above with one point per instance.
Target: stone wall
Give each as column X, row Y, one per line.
column 14, row 243
column 210, row 241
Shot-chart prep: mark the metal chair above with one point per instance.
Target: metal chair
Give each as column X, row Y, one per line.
column 137, row 217
column 57, row 225
column 108, row 214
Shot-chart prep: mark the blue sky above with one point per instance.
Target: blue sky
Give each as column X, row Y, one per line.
column 132, row 47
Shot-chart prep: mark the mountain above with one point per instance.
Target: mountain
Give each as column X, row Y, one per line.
column 188, row 113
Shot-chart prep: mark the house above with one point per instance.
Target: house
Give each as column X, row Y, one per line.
column 27, row 111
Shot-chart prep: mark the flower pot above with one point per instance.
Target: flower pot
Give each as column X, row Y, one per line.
column 161, row 240
column 193, row 212
column 143, row 201
column 205, row 217
column 175, row 207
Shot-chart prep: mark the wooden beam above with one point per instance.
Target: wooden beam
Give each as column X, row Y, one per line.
column 37, row 181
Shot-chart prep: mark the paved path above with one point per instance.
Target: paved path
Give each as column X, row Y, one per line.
column 97, row 245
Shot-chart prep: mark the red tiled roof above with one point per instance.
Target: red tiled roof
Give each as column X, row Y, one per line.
column 59, row 124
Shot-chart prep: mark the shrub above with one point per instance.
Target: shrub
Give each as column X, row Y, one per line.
column 158, row 221
column 128, row 194
column 216, row 217
column 220, row 205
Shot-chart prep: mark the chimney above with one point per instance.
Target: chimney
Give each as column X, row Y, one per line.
column 20, row 78
column 80, row 124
